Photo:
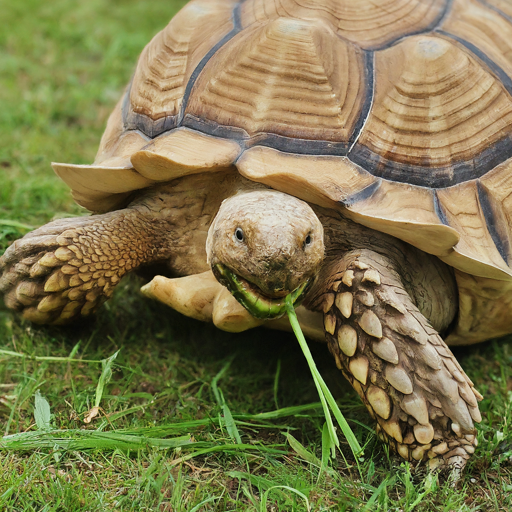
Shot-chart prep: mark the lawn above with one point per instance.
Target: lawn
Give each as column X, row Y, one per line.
column 189, row 418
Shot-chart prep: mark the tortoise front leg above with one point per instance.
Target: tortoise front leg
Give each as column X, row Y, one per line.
column 67, row 268
column 202, row 297
column 409, row 380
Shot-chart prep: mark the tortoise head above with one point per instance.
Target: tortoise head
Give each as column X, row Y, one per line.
column 264, row 245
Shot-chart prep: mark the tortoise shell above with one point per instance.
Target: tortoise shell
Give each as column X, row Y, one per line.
column 397, row 113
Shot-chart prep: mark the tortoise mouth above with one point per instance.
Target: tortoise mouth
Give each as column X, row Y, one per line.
column 253, row 299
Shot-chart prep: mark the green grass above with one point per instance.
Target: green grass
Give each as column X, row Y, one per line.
column 185, row 421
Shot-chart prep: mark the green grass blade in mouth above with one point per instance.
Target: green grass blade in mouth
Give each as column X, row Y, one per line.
column 326, row 397
column 258, row 305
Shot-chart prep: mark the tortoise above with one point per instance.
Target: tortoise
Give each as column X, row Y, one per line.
column 356, row 155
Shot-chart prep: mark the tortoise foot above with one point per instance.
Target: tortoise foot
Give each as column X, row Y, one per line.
column 202, row 297
column 66, row 268
column 424, row 404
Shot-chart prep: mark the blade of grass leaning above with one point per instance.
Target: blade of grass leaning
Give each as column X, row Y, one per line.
column 15, row 224
column 293, row 410
column 53, row 359
column 204, row 502
column 301, row 450
column 78, row 439
column 375, row 496
column 106, row 375
column 42, row 413
column 326, row 449
column 276, row 382
column 216, row 379
column 229, row 422
column 323, row 391
column 264, row 498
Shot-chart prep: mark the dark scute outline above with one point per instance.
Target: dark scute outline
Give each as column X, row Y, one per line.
column 214, row 129
column 362, row 195
column 237, row 27
column 153, row 128
column 495, row 9
column 441, row 215
column 369, row 75
column 485, row 200
column 433, row 177
column 437, row 22
column 271, row 140
column 443, row 15
column 298, row 146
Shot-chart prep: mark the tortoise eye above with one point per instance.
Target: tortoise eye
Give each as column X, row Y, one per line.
column 239, row 234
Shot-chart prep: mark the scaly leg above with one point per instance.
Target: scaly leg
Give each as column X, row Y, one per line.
column 67, row 268
column 409, row 380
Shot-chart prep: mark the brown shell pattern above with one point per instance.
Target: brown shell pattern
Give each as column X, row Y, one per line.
column 397, row 113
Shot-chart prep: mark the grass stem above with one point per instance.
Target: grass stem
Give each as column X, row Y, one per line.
column 326, row 397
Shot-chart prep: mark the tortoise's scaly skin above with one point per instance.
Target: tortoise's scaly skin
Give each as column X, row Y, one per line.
column 423, row 402
column 392, row 120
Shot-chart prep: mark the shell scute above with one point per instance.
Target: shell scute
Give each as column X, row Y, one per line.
column 367, row 23
column 484, row 30
column 468, row 211
column 165, row 66
column 328, row 181
column 437, row 116
column 183, row 152
column 291, row 80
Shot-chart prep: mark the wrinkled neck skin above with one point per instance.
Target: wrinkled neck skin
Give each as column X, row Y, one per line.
column 183, row 211
column 430, row 282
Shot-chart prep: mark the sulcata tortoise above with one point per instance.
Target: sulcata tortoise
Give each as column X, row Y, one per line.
column 357, row 155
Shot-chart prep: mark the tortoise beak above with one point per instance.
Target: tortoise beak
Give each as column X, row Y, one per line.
column 253, row 299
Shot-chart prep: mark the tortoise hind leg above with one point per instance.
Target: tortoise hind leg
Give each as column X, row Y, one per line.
column 400, row 366
column 67, row 268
